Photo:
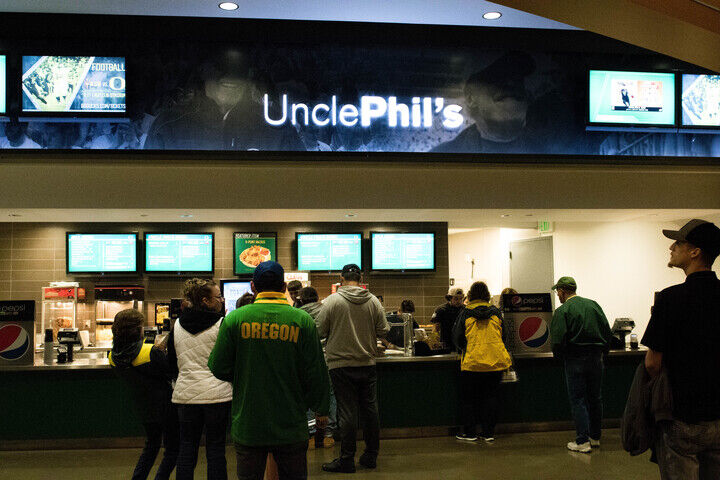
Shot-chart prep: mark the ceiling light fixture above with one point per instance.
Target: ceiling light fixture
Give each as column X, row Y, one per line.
column 505, row 215
column 351, row 215
column 14, row 215
column 186, row 215
column 228, row 6
column 492, row 15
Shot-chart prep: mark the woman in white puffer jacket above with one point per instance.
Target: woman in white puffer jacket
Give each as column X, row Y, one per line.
column 203, row 400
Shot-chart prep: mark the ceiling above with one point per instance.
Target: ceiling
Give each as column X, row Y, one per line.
column 460, row 219
column 448, row 12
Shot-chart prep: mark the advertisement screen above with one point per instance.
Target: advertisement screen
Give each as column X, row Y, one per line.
column 701, row 100
column 73, row 84
column 402, row 251
column 174, row 252
column 632, row 98
column 102, row 253
column 251, row 249
column 328, row 251
column 3, row 84
column 232, row 290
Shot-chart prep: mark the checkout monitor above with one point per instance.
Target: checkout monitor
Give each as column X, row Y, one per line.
column 232, row 290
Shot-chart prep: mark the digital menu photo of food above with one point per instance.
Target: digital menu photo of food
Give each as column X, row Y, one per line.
column 251, row 249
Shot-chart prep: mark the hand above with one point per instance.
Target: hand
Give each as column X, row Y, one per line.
column 321, row 421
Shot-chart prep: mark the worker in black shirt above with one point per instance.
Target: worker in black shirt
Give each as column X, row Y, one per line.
column 446, row 315
column 683, row 337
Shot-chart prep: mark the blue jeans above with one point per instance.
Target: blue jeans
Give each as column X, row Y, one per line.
column 213, row 417
column 584, row 372
column 332, row 417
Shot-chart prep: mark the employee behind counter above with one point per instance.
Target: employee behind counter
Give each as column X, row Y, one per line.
column 395, row 337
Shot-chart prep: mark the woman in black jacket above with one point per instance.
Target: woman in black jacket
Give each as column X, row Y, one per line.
column 144, row 370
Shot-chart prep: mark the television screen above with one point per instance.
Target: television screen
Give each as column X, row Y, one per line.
column 73, row 84
column 101, row 252
column 3, row 84
column 700, row 100
column 328, row 251
column 402, row 251
column 631, row 98
column 179, row 252
column 251, row 249
column 232, row 290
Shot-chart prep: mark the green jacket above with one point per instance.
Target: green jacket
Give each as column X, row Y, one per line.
column 579, row 325
column 271, row 353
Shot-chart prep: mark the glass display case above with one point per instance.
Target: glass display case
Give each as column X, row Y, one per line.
column 60, row 307
column 109, row 300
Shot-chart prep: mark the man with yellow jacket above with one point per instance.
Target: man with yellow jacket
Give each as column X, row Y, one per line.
column 479, row 333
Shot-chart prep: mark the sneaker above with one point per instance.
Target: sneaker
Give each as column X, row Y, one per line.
column 340, row 466
column 367, row 461
column 488, row 439
column 582, row 448
column 594, row 443
column 466, row 438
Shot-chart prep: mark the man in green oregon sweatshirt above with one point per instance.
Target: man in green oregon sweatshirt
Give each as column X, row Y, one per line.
column 271, row 353
column 580, row 334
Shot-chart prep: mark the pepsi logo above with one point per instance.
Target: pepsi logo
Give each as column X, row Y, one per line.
column 516, row 301
column 533, row 332
column 14, row 342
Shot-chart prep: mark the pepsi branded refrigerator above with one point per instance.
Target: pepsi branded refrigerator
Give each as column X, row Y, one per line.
column 17, row 332
column 528, row 317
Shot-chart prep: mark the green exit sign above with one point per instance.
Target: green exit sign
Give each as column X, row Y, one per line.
column 545, row 226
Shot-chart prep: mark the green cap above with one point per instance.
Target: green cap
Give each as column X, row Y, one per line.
column 565, row 282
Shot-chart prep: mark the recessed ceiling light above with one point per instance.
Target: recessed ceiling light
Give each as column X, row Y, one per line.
column 143, row 214
column 505, row 215
column 14, row 215
column 186, row 215
column 351, row 215
column 228, row 6
column 492, row 15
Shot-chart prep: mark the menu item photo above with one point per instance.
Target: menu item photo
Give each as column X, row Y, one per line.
column 251, row 249
column 254, row 256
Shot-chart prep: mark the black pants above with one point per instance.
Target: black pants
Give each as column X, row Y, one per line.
column 356, row 394
column 157, row 434
column 479, row 401
column 214, row 418
column 291, row 461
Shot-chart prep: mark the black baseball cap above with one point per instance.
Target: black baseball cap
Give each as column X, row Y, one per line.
column 350, row 268
column 701, row 233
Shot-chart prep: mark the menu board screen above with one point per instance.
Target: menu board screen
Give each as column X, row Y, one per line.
column 178, row 253
column 73, row 84
column 3, row 83
column 402, row 251
column 251, row 249
column 632, row 98
column 232, row 290
column 328, row 251
column 101, row 252
column 701, row 100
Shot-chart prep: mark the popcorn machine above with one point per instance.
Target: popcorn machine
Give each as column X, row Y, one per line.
column 60, row 306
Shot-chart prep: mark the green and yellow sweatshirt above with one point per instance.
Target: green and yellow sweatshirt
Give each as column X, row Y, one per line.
column 271, row 353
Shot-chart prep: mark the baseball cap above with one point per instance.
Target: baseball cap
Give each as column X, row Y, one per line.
column 350, row 268
column 701, row 233
column 454, row 292
column 269, row 272
column 565, row 282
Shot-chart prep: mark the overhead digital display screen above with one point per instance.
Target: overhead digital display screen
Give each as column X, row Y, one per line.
column 102, row 252
column 701, row 100
column 251, row 249
column 179, row 252
column 631, row 98
column 328, row 251
column 402, row 251
column 73, row 84
column 3, row 84
column 232, row 290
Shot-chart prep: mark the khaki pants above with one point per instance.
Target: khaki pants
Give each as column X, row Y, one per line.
column 689, row 451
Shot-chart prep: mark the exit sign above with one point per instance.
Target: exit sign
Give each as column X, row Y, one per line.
column 545, row 226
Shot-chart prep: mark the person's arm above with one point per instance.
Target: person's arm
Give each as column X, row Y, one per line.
column 172, row 360
column 322, row 320
column 314, row 370
column 604, row 326
column 159, row 363
column 656, row 337
column 558, row 331
column 458, row 332
column 653, row 362
column 222, row 358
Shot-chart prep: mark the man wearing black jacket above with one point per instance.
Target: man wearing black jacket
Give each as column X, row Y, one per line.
column 446, row 315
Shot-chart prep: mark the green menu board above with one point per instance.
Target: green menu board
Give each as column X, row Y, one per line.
column 251, row 249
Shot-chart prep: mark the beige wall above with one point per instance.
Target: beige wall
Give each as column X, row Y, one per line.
column 32, row 255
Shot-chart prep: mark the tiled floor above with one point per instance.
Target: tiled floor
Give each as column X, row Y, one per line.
column 536, row 456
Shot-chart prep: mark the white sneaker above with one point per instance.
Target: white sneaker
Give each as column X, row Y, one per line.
column 488, row 439
column 466, row 438
column 594, row 443
column 582, row 448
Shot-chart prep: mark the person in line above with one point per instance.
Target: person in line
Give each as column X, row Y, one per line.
column 203, row 400
column 479, row 333
column 682, row 336
column 271, row 353
column 506, row 291
column 352, row 319
column 244, row 299
column 580, row 335
column 293, row 289
column 309, row 301
column 143, row 368
column 446, row 315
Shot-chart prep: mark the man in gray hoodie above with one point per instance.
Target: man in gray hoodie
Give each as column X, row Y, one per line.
column 352, row 319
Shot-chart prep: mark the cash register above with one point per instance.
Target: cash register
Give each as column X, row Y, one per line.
column 68, row 337
column 620, row 329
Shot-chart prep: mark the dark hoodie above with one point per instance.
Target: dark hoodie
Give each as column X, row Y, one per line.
column 144, row 370
column 194, row 321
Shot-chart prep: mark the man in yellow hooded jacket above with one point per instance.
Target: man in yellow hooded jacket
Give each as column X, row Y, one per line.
column 479, row 333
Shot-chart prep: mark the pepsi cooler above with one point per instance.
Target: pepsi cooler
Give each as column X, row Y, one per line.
column 527, row 319
column 17, row 330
